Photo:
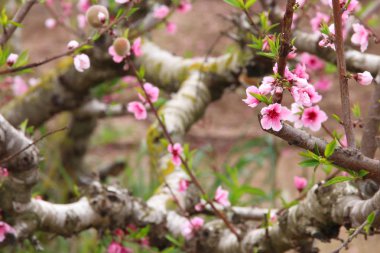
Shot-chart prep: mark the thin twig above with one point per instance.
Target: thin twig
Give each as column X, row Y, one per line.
column 18, row 18
column 343, row 81
column 8, row 158
column 331, row 134
column 89, row 41
column 355, row 234
column 183, row 161
column 285, row 46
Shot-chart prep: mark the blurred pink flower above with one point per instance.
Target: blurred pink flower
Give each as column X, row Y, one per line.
column 138, row 109
column 184, row 6
column 81, row 19
column 81, row 62
column 152, row 91
column 317, row 20
column 122, row 1
column 116, row 247
column 4, row 230
column 312, row 61
column 136, row 47
column 191, row 227
column 300, row 183
column 161, row 12
column 183, row 184
column 171, row 27
column 323, row 84
column 221, row 197
column 305, row 96
column 50, row 23
column 176, row 151
column 83, row 5
column 360, row 36
column 19, row 86
column 4, row 172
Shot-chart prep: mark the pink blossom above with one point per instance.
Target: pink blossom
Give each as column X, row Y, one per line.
column 72, row 44
column 221, row 197
column 138, row 109
column 115, row 57
column 19, row 86
column 136, row 47
column 121, row 1
column 176, row 151
column 265, row 46
column 171, row 27
column 351, row 7
column 323, row 84
column 300, row 183
column 67, row 8
column 300, row 71
column 83, row 5
column 328, row 40
column 305, row 95
column 116, row 247
column 317, row 20
column 313, row 118
column 81, row 62
column 4, row 230
column 81, row 19
column 34, row 81
column 161, row 12
column 364, row 78
column 50, row 23
column 267, row 85
column 312, row 62
column 12, row 59
column 132, row 80
column 272, row 116
column 152, row 91
column 4, row 172
column 191, row 227
column 360, row 36
column 251, row 101
column 184, row 6
column 102, row 17
column 183, row 184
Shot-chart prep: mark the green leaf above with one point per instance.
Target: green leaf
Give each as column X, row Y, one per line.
column 337, row 118
column 309, row 163
column 330, row 148
column 249, row 3
column 235, row 3
column 371, row 218
column 338, row 179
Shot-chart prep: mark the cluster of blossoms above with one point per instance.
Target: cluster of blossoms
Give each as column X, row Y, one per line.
column 303, row 93
column 359, row 37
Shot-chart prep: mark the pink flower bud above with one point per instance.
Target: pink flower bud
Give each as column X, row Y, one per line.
column 50, row 23
column 72, row 44
column 12, row 58
column 161, row 12
column 300, row 183
column 364, row 78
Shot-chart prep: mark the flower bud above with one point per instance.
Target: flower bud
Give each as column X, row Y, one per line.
column 72, row 44
column 12, row 58
column 97, row 16
column 122, row 46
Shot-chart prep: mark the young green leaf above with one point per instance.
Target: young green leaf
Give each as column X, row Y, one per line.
column 338, row 179
column 330, row 148
column 235, row 3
